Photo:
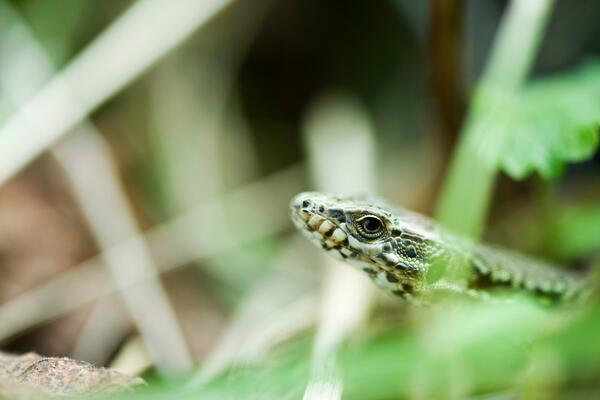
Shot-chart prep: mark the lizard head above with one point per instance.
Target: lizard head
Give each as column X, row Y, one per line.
column 365, row 233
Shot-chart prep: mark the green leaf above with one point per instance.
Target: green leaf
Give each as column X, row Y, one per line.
column 553, row 121
column 574, row 233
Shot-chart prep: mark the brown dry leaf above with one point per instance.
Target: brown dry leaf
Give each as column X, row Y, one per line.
column 31, row 376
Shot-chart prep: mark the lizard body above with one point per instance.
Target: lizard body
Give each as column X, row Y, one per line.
column 409, row 255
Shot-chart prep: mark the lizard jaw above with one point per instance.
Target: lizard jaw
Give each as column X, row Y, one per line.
column 309, row 217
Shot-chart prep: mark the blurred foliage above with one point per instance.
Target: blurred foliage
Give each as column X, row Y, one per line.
column 455, row 349
column 227, row 108
column 574, row 232
column 552, row 121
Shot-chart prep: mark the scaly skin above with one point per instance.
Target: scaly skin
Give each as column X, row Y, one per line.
column 410, row 256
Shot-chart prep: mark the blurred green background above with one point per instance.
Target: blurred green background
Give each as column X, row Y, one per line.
column 149, row 232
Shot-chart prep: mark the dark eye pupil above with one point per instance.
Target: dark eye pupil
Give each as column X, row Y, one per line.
column 371, row 224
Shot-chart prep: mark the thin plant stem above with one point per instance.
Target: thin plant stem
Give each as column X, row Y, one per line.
column 347, row 295
column 94, row 76
column 466, row 195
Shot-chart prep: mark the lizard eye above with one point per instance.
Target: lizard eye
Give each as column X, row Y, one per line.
column 370, row 226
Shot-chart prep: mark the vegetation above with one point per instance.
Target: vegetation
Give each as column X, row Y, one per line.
column 150, row 150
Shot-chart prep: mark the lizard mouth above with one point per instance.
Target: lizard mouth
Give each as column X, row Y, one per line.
column 311, row 218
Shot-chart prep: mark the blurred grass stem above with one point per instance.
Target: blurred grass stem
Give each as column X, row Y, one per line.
column 103, row 332
column 126, row 49
column 173, row 244
column 338, row 122
column 195, row 112
column 88, row 164
column 276, row 309
column 465, row 198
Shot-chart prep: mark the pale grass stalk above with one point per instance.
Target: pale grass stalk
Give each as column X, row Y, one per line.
column 127, row 48
column 186, row 119
column 57, row 296
column 340, row 143
column 88, row 164
column 133, row 358
column 275, row 310
column 345, row 302
column 103, row 331
column 190, row 128
column 193, row 105
column 196, row 121
column 197, row 234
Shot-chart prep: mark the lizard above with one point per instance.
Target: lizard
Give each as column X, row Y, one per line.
column 411, row 256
